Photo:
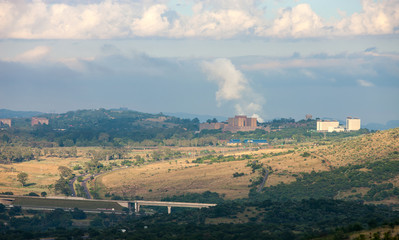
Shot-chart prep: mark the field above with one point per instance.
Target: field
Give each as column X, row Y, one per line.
column 158, row 180
column 168, row 178
column 41, row 174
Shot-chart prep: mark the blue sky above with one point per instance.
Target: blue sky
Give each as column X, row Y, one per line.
column 271, row 59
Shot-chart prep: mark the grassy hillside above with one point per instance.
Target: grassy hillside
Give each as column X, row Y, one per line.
column 157, row 180
column 370, row 147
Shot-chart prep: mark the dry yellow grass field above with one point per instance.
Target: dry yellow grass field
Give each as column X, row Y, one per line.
column 44, row 172
column 41, row 174
column 167, row 178
column 157, row 180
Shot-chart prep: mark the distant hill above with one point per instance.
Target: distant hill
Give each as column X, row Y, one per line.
column 107, row 127
column 202, row 118
column 107, row 119
column 5, row 113
column 379, row 126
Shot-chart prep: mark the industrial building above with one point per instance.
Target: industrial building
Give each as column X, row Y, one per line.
column 239, row 123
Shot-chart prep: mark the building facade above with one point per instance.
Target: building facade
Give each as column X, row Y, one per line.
column 237, row 124
column 327, row 126
column 352, row 124
column 5, row 121
column 37, row 121
column 241, row 124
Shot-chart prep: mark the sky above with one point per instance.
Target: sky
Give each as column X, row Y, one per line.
column 269, row 59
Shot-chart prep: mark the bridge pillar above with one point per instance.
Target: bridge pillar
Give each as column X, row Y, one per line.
column 169, row 209
column 129, row 205
column 136, row 207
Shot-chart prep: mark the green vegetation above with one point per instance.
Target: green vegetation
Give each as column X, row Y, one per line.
column 205, row 197
column 328, row 184
column 22, row 178
column 221, row 158
column 131, row 128
column 237, row 174
column 303, row 209
column 291, row 220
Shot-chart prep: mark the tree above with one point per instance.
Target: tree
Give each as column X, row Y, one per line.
column 22, row 178
column 62, row 186
column 64, row 171
column 78, row 214
column 43, row 194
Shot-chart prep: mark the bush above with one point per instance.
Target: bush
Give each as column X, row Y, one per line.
column 78, row 214
column 237, row 174
column 32, row 194
column 305, row 154
column 77, row 167
column 7, row 193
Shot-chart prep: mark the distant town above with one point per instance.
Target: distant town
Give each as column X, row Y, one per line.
column 241, row 123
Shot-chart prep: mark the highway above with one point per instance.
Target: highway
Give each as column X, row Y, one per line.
column 107, row 211
column 50, row 203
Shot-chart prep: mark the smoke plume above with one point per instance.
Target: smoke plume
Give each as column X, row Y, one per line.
column 233, row 87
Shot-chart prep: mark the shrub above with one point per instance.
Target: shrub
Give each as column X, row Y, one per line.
column 237, row 174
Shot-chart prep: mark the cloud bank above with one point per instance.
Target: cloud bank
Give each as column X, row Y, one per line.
column 209, row 19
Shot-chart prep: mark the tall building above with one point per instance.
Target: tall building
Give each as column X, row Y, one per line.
column 236, row 124
column 308, row 116
column 327, row 126
column 352, row 124
column 241, row 123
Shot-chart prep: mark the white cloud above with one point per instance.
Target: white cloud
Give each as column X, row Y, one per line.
column 216, row 24
column 377, row 17
column 365, row 83
column 152, row 22
column 299, row 21
column 216, row 19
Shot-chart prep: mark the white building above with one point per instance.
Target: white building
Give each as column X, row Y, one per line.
column 352, row 124
column 327, row 126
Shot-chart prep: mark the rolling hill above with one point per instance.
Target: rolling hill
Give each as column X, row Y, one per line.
column 317, row 161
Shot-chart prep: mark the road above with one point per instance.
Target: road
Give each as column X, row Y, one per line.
column 70, row 183
column 71, row 209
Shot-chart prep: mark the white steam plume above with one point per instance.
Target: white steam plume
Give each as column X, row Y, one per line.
column 233, row 86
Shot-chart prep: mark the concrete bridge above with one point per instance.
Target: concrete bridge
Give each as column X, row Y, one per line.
column 169, row 205
column 8, row 200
